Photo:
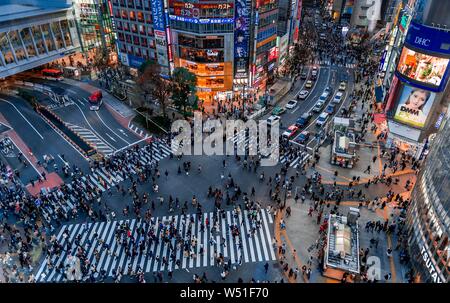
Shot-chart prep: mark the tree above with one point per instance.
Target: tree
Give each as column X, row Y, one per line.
column 183, row 88
column 151, row 83
column 101, row 59
column 298, row 57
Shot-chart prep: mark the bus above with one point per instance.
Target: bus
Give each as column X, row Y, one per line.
column 52, row 74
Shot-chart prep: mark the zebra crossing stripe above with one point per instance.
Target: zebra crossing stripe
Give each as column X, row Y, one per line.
column 255, row 248
column 266, row 228
column 105, row 251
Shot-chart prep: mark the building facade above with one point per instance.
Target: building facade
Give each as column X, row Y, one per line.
column 231, row 45
column 35, row 33
column 428, row 217
column 416, row 73
column 94, row 22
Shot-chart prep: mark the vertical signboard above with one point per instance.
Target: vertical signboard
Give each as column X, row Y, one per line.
column 241, row 38
column 159, row 26
column 158, row 15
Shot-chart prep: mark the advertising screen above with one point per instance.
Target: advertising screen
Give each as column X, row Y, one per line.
column 242, row 38
column 424, row 69
column 414, row 106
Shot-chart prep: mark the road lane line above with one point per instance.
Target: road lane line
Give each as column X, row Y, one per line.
column 39, row 134
column 111, row 129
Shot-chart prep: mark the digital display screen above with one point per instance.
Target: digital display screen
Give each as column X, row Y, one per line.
column 414, row 106
column 425, row 69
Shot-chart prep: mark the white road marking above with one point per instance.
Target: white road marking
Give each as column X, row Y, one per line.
column 39, row 134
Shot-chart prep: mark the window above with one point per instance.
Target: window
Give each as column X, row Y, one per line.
column 130, row 49
column 144, row 42
column 48, row 38
column 130, row 3
column 142, row 29
column 135, row 40
column 128, row 38
column 36, row 31
column 134, row 28
column 138, row 4
column 6, row 49
column 57, row 33
column 132, row 15
column 126, row 26
column 124, row 14
column 140, row 16
column 121, row 37
column 66, row 32
column 119, row 25
column 148, row 18
column 26, row 38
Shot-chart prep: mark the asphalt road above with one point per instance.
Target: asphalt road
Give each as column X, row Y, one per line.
column 37, row 134
column 100, row 122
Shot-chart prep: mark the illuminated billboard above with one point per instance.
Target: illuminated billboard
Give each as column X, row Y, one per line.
column 242, row 38
column 414, row 106
column 422, row 69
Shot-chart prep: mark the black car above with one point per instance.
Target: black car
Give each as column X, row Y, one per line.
column 304, row 75
column 303, row 120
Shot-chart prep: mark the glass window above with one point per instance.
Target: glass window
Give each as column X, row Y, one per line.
column 6, row 49
column 66, row 32
column 38, row 39
column 26, row 38
column 17, row 45
column 57, row 34
column 48, row 38
column 140, row 16
column 132, row 15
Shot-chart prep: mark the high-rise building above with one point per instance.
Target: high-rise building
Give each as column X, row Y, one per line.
column 34, row 33
column 419, row 69
column 94, row 24
column 428, row 217
column 231, row 46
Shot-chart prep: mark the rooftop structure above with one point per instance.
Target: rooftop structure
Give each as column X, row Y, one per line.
column 342, row 251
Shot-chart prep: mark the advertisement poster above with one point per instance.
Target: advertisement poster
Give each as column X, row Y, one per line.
column 241, row 38
column 422, row 68
column 161, row 47
column 414, row 106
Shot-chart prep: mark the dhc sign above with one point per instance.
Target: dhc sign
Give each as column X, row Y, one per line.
column 428, row 38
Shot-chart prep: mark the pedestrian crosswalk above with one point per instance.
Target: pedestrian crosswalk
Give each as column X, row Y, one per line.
column 327, row 62
column 296, row 160
column 101, row 178
column 235, row 236
column 100, row 145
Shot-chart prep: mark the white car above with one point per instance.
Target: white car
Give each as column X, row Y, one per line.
column 338, row 97
column 272, row 120
column 322, row 119
column 291, row 104
column 342, row 86
column 303, row 94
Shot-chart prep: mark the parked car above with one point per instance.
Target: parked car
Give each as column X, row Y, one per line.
column 273, row 119
column 303, row 137
column 278, row 110
column 322, row 119
column 308, row 84
column 291, row 104
column 330, row 109
column 338, row 97
column 303, row 120
column 303, row 94
column 291, row 131
column 318, row 107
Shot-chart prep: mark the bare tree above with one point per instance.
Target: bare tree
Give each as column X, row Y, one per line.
column 152, row 84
